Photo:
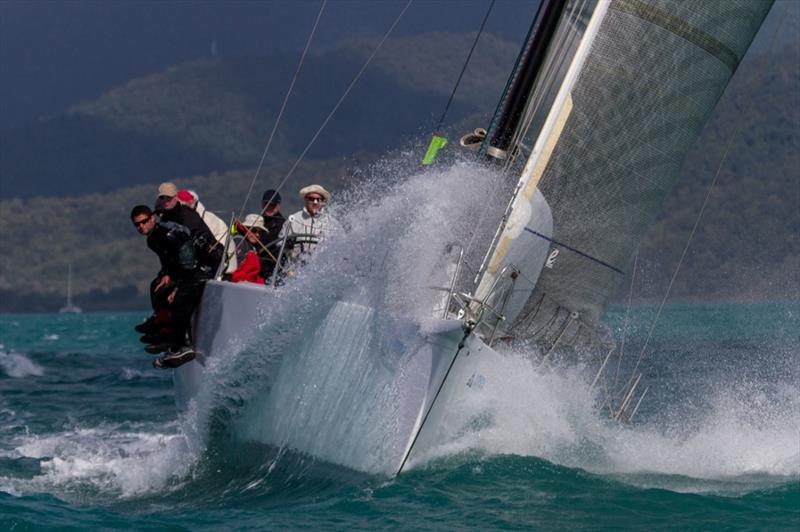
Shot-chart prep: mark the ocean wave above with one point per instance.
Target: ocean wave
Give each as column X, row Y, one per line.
column 100, row 462
column 19, row 366
column 130, row 374
column 747, row 439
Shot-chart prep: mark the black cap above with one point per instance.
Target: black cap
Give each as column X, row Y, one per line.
column 271, row 196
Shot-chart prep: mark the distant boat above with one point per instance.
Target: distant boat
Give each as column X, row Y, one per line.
column 69, row 308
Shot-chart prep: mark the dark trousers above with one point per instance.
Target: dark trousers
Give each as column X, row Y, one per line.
column 159, row 299
column 186, row 299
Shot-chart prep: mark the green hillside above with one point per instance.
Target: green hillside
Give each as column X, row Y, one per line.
column 214, row 114
column 196, row 104
column 202, row 123
column 111, row 265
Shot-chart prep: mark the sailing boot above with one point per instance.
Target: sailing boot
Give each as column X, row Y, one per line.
column 175, row 358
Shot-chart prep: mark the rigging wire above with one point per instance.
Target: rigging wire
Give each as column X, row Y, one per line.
column 464, row 67
column 702, row 209
column 627, row 320
column 283, row 106
column 344, row 95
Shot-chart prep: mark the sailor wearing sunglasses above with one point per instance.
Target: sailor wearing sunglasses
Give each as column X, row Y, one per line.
column 307, row 227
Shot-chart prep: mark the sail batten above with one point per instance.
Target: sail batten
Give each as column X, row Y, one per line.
column 681, row 28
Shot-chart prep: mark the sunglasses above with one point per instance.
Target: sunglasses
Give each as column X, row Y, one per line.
column 165, row 198
column 141, row 222
column 315, row 199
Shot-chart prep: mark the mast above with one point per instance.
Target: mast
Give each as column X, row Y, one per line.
column 69, row 308
column 525, row 204
column 69, row 285
column 518, row 89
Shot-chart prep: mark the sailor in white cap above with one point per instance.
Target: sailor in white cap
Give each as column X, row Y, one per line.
column 307, row 227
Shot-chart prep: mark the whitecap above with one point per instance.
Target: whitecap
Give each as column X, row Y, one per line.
column 104, row 460
column 551, row 415
column 19, row 366
column 129, row 374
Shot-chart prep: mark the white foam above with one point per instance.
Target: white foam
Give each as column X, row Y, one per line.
column 386, row 260
column 552, row 415
column 105, row 461
column 343, row 364
column 19, row 366
column 738, row 436
column 129, row 374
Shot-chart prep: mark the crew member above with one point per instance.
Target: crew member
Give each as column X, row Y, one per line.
column 257, row 257
column 218, row 228
column 273, row 223
column 177, row 253
column 306, row 228
column 209, row 250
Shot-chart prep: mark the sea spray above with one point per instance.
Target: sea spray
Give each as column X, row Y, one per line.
column 325, row 368
column 109, row 460
column 747, row 429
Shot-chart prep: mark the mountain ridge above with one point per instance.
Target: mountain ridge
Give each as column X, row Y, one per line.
column 746, row 245
column 214, row 114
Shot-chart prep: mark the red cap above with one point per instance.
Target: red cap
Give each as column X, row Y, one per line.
column 184, row 196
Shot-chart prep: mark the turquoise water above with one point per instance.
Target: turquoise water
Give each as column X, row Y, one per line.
column 89, row 438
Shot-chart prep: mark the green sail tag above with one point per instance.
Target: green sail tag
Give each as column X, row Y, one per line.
column 437, row 143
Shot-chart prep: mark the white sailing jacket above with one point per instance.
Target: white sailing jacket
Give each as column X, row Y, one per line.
column 310, row 230
column 220, row 231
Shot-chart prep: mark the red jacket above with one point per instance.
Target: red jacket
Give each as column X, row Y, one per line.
column 249, row 270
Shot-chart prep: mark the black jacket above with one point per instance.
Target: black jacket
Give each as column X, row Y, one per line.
column 274, row 224
column 209, row 251
column 173, row 244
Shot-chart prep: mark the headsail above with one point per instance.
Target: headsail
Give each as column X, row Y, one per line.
column 641, row 81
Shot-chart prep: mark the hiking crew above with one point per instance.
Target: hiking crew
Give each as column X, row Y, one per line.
column 182, row 276
column 189, row 241
column 171, row 210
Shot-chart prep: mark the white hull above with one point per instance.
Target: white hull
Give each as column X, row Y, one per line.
column 331, row 398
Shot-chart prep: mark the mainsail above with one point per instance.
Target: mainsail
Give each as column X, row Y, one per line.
column 625, row 90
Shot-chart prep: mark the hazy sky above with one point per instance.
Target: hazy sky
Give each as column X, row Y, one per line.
column 54, row 53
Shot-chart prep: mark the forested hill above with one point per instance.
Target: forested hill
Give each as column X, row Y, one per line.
column 214, row 114
column 76, row 175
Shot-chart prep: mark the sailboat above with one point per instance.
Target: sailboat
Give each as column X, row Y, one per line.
column 69, row 308
column 605, row 100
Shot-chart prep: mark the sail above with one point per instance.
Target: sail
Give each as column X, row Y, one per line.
column 639, row 88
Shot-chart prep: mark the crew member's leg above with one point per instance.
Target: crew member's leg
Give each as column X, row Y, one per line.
column 186, row 300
